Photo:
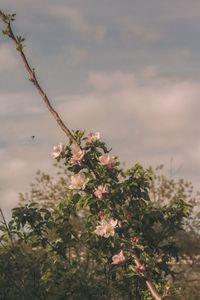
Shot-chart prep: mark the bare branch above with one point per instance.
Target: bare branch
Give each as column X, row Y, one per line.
column 33, row 78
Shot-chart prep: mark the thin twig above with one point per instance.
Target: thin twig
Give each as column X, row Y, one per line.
column 34, row 80
column 149, row 284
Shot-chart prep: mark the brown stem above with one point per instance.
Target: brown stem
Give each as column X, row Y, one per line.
column 149, row 284
column 56, row 116
column 34, row 80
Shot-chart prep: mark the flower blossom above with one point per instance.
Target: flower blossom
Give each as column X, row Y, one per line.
column 101, row 191
column 106, row 228
column 77, row 155
column 140, row 268
column 58, row 150
column 106, row 160
column 119, row 258
column 93, row 137
column 78, row 181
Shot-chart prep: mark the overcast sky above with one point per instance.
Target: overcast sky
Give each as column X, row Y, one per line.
column 129, row 69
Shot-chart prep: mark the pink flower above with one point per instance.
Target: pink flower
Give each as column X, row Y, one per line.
column 119, row 258
column 101, row 191
column 140, row 268
column 58, row 151
column 101, row 215
column 78, row 181
column 77, row 155
column 106, row 228
column 106, row 160
column 93, row 137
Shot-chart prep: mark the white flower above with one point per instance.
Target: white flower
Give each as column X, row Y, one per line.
column 93, row 137
column 106, row 228
column 119, row 258
column 77, row 155
column 101, row 191
column 106, row 160
column 58, row 150
column 78, row 181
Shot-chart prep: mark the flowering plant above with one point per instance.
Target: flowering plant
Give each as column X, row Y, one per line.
column 122, row 229
column 104, row 239
column 105, row 224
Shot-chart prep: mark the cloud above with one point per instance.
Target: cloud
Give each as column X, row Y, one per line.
column 75, row 55
column 17, row 172
column 143, row 116
column 146, row 119
column 78, row 21
column 21, row 116
column 181, row 10
column 10, row 103
column 144, row 33
column 8, row 58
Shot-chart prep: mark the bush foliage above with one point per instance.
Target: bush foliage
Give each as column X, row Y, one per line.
column 103, row 239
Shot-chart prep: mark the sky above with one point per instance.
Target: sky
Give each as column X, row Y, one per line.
column 129, row 69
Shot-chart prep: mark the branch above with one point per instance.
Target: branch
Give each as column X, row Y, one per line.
column 149, row 284
column 18, row 40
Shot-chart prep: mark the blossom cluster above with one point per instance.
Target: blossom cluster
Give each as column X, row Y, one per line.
column 78, row 181
column 101, row 191
column 77, row 155
column 106, row 226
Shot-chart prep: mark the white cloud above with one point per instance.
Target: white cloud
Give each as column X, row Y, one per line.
column 144, row 118
column 21, row 116
column 75, row 55
column 181, row 10
column 144, row 32
column 8, row 59
column 16, row 175
column 141, row 29
column 78, row 21
column 11, row 102
column 147, row 119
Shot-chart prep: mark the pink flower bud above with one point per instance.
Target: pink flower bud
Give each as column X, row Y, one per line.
column 93, row 137
column 101, row 215
column 119, row 258
column 140, row 268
